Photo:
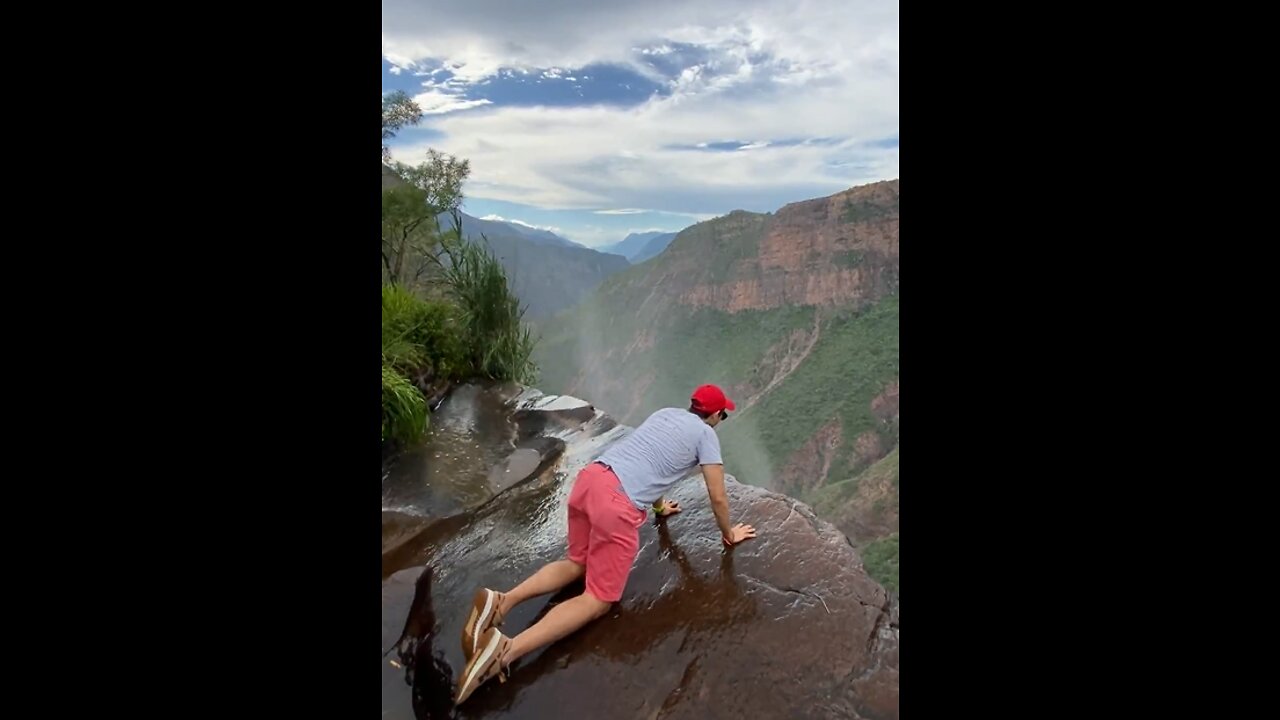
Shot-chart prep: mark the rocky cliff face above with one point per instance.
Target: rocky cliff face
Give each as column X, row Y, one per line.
column 786, row 625
column 840, row 250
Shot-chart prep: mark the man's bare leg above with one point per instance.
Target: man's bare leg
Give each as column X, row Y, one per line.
column 562, row 620
column 550, row 578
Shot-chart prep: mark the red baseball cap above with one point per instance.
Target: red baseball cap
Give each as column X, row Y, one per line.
column 711, row 399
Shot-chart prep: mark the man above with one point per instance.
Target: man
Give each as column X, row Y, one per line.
column 606, row 509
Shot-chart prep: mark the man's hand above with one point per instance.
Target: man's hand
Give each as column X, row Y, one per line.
column 669, row 507
column 740, row 532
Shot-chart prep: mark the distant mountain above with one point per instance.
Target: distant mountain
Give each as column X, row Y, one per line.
column 641, row 245
column 656, row 245
column 504, row 227
column 546, row 277
column 547, row 272
column 631, row 244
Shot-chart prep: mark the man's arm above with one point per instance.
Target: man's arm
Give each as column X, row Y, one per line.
column 713, row 473
column 714, row 477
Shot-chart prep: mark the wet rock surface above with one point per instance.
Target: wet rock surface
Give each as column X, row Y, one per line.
column 535, row 422
column 472, row 453
column 785, row 625
column 398, row 528
column 528, row 460
column 470, row 433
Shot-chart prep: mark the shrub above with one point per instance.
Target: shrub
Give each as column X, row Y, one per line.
column 404, row 410
column 500, row 346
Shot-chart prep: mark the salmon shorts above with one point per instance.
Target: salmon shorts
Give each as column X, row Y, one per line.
column 604, row 531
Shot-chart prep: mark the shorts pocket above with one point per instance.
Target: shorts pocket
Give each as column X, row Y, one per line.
column 636, row 516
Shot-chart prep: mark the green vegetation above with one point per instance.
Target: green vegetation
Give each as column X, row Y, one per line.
column 848, row 259
column 836, row 502
column 710, row 345
column 728, row 239
column 880, row 558
column 412, row 238
column 856, row 357
column 422, row 336
column 499, row 345
column 862, row 211
column 404, row 410
column 448, row 312
column 398, row 111
column 829, row 499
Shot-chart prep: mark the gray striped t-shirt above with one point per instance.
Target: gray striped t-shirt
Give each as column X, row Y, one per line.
column 666, row 446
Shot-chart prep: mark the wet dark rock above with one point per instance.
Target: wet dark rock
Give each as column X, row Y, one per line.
column 445, row 472
column 404, row 535
column 420, row 619
column 428, row 677
column 785, row 625
column 403, row 554
column 536, row 422
column 530, row 459
column 461, row 465
column 398, row 528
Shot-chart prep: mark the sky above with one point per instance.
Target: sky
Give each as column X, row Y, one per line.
column 597, row 118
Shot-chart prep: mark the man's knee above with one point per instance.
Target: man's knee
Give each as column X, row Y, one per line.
column 599, row 607
column 578, row 568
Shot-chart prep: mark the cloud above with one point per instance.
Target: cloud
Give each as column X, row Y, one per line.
column 697, row 217
column 436, row 102
column 569, row 157
column 396, row 70
column 478, row 37
column 513, row 221
column 768, row 73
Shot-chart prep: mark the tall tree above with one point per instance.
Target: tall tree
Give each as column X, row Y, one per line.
column 411, row 233
column 398, row 111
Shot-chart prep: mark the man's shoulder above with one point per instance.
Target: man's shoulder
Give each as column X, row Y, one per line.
column 709, row 434
column 663, row 416
column 690, row 425
column 673, row 420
